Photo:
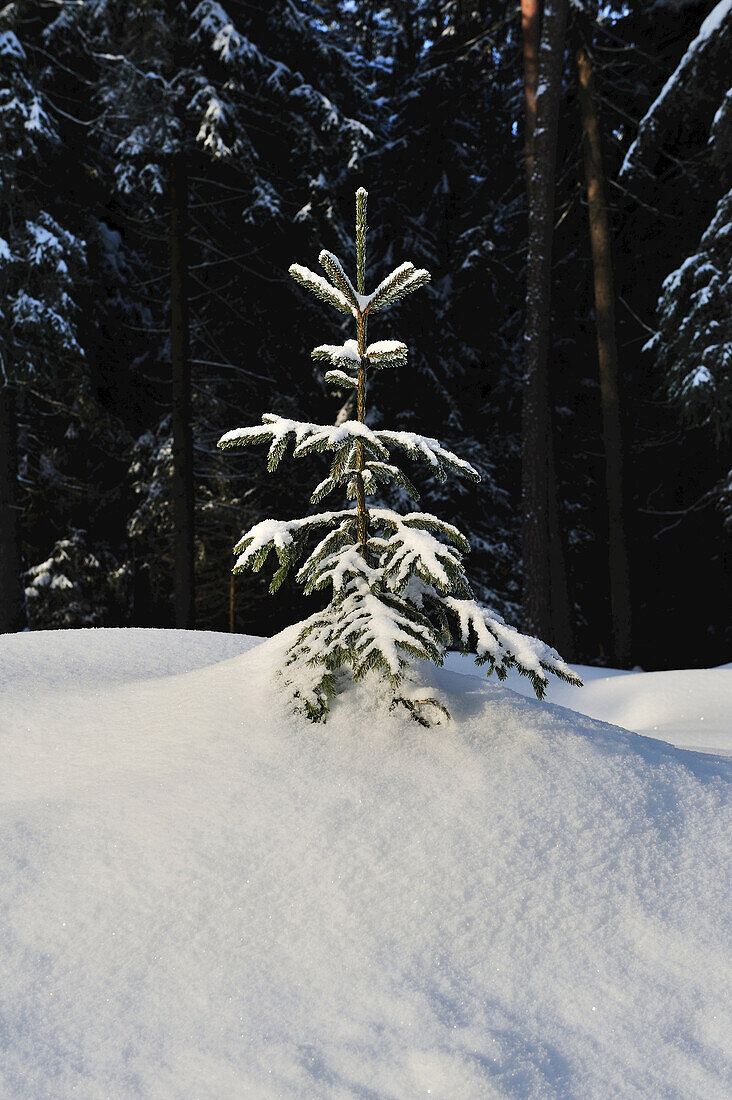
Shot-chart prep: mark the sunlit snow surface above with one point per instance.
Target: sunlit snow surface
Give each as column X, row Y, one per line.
column 203, row 897
column 690, row 708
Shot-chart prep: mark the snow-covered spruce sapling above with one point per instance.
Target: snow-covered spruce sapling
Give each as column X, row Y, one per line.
column 399, row 590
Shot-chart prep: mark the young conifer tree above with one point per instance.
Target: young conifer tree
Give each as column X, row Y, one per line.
column 399, row 590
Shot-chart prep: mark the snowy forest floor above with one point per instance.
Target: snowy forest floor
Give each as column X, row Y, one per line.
column 203, row 896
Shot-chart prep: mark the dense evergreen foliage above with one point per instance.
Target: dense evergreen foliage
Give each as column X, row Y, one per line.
column 277, row 113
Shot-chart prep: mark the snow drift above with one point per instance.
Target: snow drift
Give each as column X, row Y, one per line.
column 690, row 708
column 202, row 896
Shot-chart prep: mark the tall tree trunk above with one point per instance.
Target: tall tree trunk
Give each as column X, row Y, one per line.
column 531, row 30
column 367, row 28
column 545, row 600
column 12, row 607
column 607, row 354
column 183, row 500
column 361, row 323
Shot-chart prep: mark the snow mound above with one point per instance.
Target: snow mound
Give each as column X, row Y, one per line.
column 69, row 659
column 203, row 896
column 690, row 708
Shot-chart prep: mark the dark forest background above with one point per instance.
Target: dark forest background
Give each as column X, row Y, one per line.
column 162, row 164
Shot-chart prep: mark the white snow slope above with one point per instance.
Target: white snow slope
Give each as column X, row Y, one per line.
column 203, row 897
column 691, row 708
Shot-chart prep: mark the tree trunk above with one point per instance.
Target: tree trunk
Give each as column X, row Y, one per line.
column 607, row 354
column 531, row 29
column 361, row 323
column 545, row 601
column 12, row 604
column 183, row 500
column 143, row 600
column 367, row 29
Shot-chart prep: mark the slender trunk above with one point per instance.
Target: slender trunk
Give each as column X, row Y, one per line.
column 361, row 416
column 143, row 601
column 363, row 517
column 183, row 515
column 368, row 29
column 405, row 43
column 531, row 28
column 562, row 632
column 231, row 603
column 546, row 608
column 12, row 607
column 607, row 354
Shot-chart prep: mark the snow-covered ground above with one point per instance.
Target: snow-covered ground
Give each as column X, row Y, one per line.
column 690, row 708
column 202, row 896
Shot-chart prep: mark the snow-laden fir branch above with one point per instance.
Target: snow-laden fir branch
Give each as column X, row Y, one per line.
column 340, row 378
column 432, row 452
column 320, row 287
column 689, row 80
column 340, row 293
column 364, row 630
column 384, row 353
column 334, row 270
column 286, row 538
column 484, row 632
column 340, row 355
column 279, row 431
column 402, row 281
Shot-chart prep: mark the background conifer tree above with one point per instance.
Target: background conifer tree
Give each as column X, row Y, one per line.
column 399, row 590
column 39, row 260
column 693, row 340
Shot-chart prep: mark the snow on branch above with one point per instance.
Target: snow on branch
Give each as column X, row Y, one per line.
column 320, row 287
column 275, row 430
column 331, row 437
column 286, row 538
column 278, row 431
column 413, row 551
column 423, row 521
column 430, row 451
column 409, row 547
column 403, row 280
column 10, row 47
column 340, row 378
column 386, row 353
column 483, row 632
column 336, row 561
column 211, row 27
column 688, row 84
column 367, row 630
column 383, row 631
column 340, row 355
column 339, row 439
column 334, row 270
column 693, row 344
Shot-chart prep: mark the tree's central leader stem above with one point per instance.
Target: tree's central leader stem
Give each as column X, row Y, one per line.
column 361, row 415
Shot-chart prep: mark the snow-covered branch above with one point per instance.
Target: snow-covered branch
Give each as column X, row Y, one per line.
column 430, row 451
column 320, row 287
column 483, row 632
column 286, row 538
